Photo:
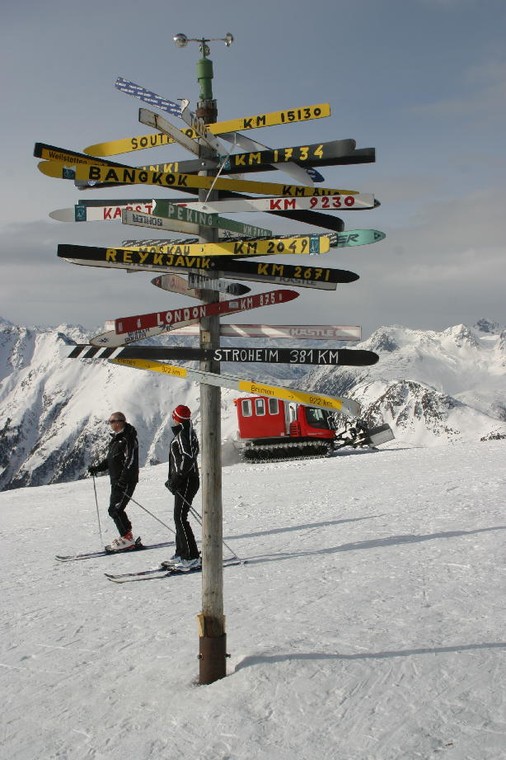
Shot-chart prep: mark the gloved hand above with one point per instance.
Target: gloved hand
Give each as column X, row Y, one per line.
column 92, row 470
column 174, row 483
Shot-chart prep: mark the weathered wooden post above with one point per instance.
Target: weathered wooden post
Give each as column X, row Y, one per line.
column 212, row 635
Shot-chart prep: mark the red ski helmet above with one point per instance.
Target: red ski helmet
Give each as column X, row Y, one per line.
column 181, row 413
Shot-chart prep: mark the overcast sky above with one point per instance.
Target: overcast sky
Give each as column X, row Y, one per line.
column 422, row 81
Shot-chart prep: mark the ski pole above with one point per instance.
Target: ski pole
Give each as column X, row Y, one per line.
column 149, row 513
column 199, row 520
column 98, row 511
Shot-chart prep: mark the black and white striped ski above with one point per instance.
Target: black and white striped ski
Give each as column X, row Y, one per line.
column 295, row 355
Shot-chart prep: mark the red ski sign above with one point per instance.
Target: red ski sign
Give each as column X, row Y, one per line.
column 164, row 320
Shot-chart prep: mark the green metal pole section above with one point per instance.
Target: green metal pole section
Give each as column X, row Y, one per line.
column 212, row 636
column 205, row 76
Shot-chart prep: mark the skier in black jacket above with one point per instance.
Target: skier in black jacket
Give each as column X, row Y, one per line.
column 122, row 461
column 184, row 482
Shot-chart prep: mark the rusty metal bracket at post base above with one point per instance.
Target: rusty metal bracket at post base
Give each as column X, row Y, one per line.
column 212, row 658
column 212, row 650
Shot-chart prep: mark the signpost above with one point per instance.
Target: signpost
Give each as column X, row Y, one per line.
column 276, row 203
column 332, row 403
column 130, row 176
column 245, row 123
column 220, row 266
column 177, row 220
column 319, row 356
column 195, row 283
column 277, row 332
column 72, row 158
column 209, row 263
column 147, row 96
column 162, row 321
column 317, row 154
column 131, row 329
column 151, row 119
column 303, row 245
column 347, row 239
column 103, row 213
column 326, row 221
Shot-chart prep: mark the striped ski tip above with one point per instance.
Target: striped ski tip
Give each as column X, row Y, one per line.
column 89, row 351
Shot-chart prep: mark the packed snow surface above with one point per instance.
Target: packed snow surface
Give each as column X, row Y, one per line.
column 367, row 624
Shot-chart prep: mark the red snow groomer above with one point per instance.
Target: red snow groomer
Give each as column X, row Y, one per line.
column 273, row 429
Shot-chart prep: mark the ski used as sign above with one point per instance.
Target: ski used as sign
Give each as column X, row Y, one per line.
column 304, row 245
column 320, row 356
column 351, row 238
column 151, row 119
column 99, row 173
column 69, row 157
column 170, row 213
column 346, row 239
column 303, row 174
column 72, row 158
column 319, row 154
column 176, row 223
column 136, row 219
column 222, row 266
column 147, row 96
column 289, row 332
column 129, row 144
column 105, row 213
column 228, row 130
column 258, row 388
column 194, row 285
column 163, row 320
column 263, row 159
column 314, row 153
column 186, row 213
column 176, row 284
column 325, row 202
column 326, row 221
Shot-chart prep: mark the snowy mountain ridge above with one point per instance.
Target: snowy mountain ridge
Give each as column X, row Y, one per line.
column 431, row 387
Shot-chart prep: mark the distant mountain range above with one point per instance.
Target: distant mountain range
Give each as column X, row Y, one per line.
column 431, row 387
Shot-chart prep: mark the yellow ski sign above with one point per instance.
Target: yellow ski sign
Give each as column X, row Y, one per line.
column 272, row 119
column 133, row 176
column 347, row 406
column 301, row 244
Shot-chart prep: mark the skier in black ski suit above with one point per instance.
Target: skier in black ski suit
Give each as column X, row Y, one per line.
column 122, row 462
column 184, row 482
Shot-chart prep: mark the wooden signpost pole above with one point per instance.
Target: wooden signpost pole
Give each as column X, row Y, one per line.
column 212, row 635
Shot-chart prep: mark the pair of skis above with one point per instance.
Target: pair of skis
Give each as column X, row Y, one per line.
column 104, row 553
column 165, row 570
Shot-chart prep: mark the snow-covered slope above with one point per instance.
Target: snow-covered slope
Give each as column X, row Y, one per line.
column 431, row 387
column 368, row 623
